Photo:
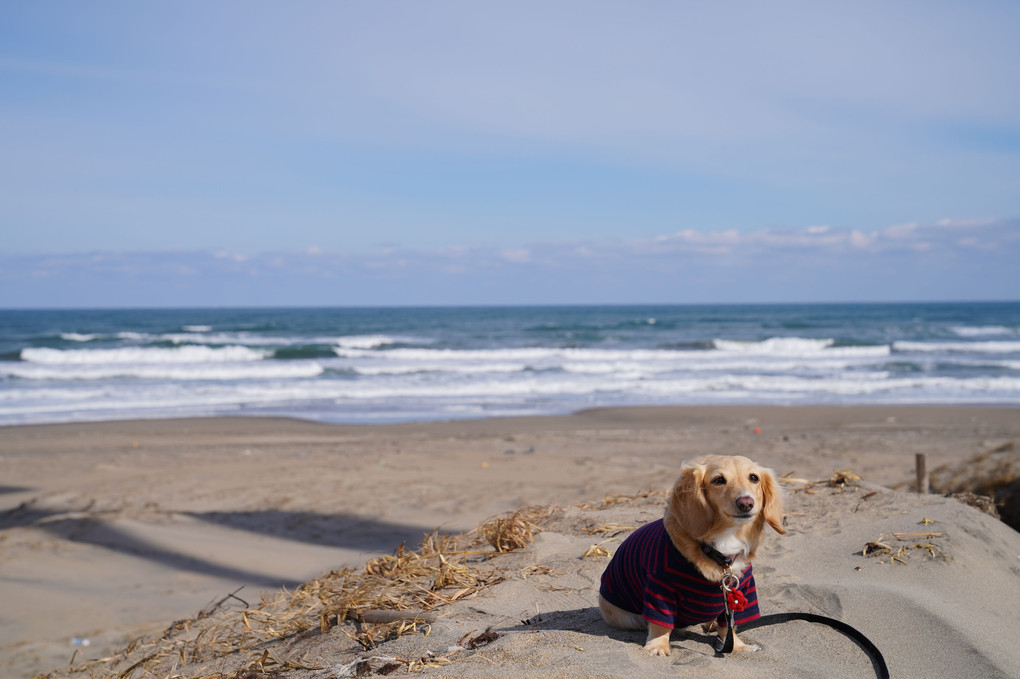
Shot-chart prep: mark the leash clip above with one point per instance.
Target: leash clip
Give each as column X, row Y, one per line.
column 728, row 584
column 729, row 581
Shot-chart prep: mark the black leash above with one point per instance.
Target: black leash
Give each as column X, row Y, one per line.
column 731, row 582
column 855, row 635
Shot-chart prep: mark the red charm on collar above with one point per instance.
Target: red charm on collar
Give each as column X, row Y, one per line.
column 736, row 600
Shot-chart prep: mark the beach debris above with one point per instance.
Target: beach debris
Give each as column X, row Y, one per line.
column 876, row 547
column 866, row 496
column 267, row 666
column 372, row 637
column 609, row 529
column 596, row 551
column 982, row 503
column 788, row 479
column 363, row 666
column 391, row 596
column 993, row 474
column 483, row 639
column 905, row 543
column 611, row 500
column 843, row 478
column 509, row 533
column 537, row 570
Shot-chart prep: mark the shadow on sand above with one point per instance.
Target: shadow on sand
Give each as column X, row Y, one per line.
column 338, row 531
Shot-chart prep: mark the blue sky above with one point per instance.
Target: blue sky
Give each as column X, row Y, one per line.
column 350, row 153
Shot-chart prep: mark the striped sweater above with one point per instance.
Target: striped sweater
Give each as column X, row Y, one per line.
column 648, row 576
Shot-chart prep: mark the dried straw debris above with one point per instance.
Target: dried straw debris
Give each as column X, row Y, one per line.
column 389, row 597
column 841, row 478
column 609, row 529
column 612, row 500
column 982, row 503
column 509, row 533
column 528, row 571
column 899, row 546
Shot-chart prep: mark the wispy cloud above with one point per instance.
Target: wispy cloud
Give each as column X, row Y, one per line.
column 949, row 259
column 946, row 235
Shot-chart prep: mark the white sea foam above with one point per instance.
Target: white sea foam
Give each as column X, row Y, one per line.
column 648, row 363
column 732, row 385
column 371, row 341
column 78, row 337
column 522, row 354
column 982, row 330
column 988, row 347
column 464, row 369
column 54, row 394
column 186, row 354
column 197, row 328
column 167, row 371
column 797, row 346
column 235, row 339
column 786, row 346
column 424, row 354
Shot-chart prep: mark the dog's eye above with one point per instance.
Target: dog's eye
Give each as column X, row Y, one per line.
column 719, row 481
column 754, row 478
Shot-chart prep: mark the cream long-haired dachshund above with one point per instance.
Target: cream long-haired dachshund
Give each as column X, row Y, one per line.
column 667, row 573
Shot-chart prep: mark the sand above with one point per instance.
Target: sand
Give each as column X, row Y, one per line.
column 112, row 531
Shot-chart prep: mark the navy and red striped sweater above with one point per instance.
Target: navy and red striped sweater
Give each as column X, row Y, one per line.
column 649, row 577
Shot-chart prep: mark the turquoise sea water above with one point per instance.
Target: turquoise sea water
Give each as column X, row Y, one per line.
column 398, row 364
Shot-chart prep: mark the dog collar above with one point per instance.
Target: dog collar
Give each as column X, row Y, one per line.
column 717, row 556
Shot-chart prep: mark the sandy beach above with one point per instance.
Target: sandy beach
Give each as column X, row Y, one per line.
column 111, row 531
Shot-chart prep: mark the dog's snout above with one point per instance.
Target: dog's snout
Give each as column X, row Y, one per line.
column 745, row 503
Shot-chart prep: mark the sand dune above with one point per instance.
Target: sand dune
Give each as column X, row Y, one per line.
column 112, row 531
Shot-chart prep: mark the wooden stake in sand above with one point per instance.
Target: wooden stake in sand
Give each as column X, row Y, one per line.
column 923, row 487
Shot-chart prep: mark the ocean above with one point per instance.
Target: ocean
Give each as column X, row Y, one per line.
column 370, row 365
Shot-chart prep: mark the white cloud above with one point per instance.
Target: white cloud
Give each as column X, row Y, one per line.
column 517, row 256
column 965, row 223
column 818, row 239
column 861, row 240
column 234, row 257
column 900, row 230
column 934, row 261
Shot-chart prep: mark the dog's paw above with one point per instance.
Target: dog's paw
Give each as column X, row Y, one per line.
column 659, row 647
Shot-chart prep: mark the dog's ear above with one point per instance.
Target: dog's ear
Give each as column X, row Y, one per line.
column 772, row 501
column 688, row 503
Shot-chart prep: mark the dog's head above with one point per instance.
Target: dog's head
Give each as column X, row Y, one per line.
column 716, row 493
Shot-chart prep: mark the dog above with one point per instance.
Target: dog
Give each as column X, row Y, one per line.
column 668, row 573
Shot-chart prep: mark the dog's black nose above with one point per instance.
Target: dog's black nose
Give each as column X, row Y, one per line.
column 745, row 503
